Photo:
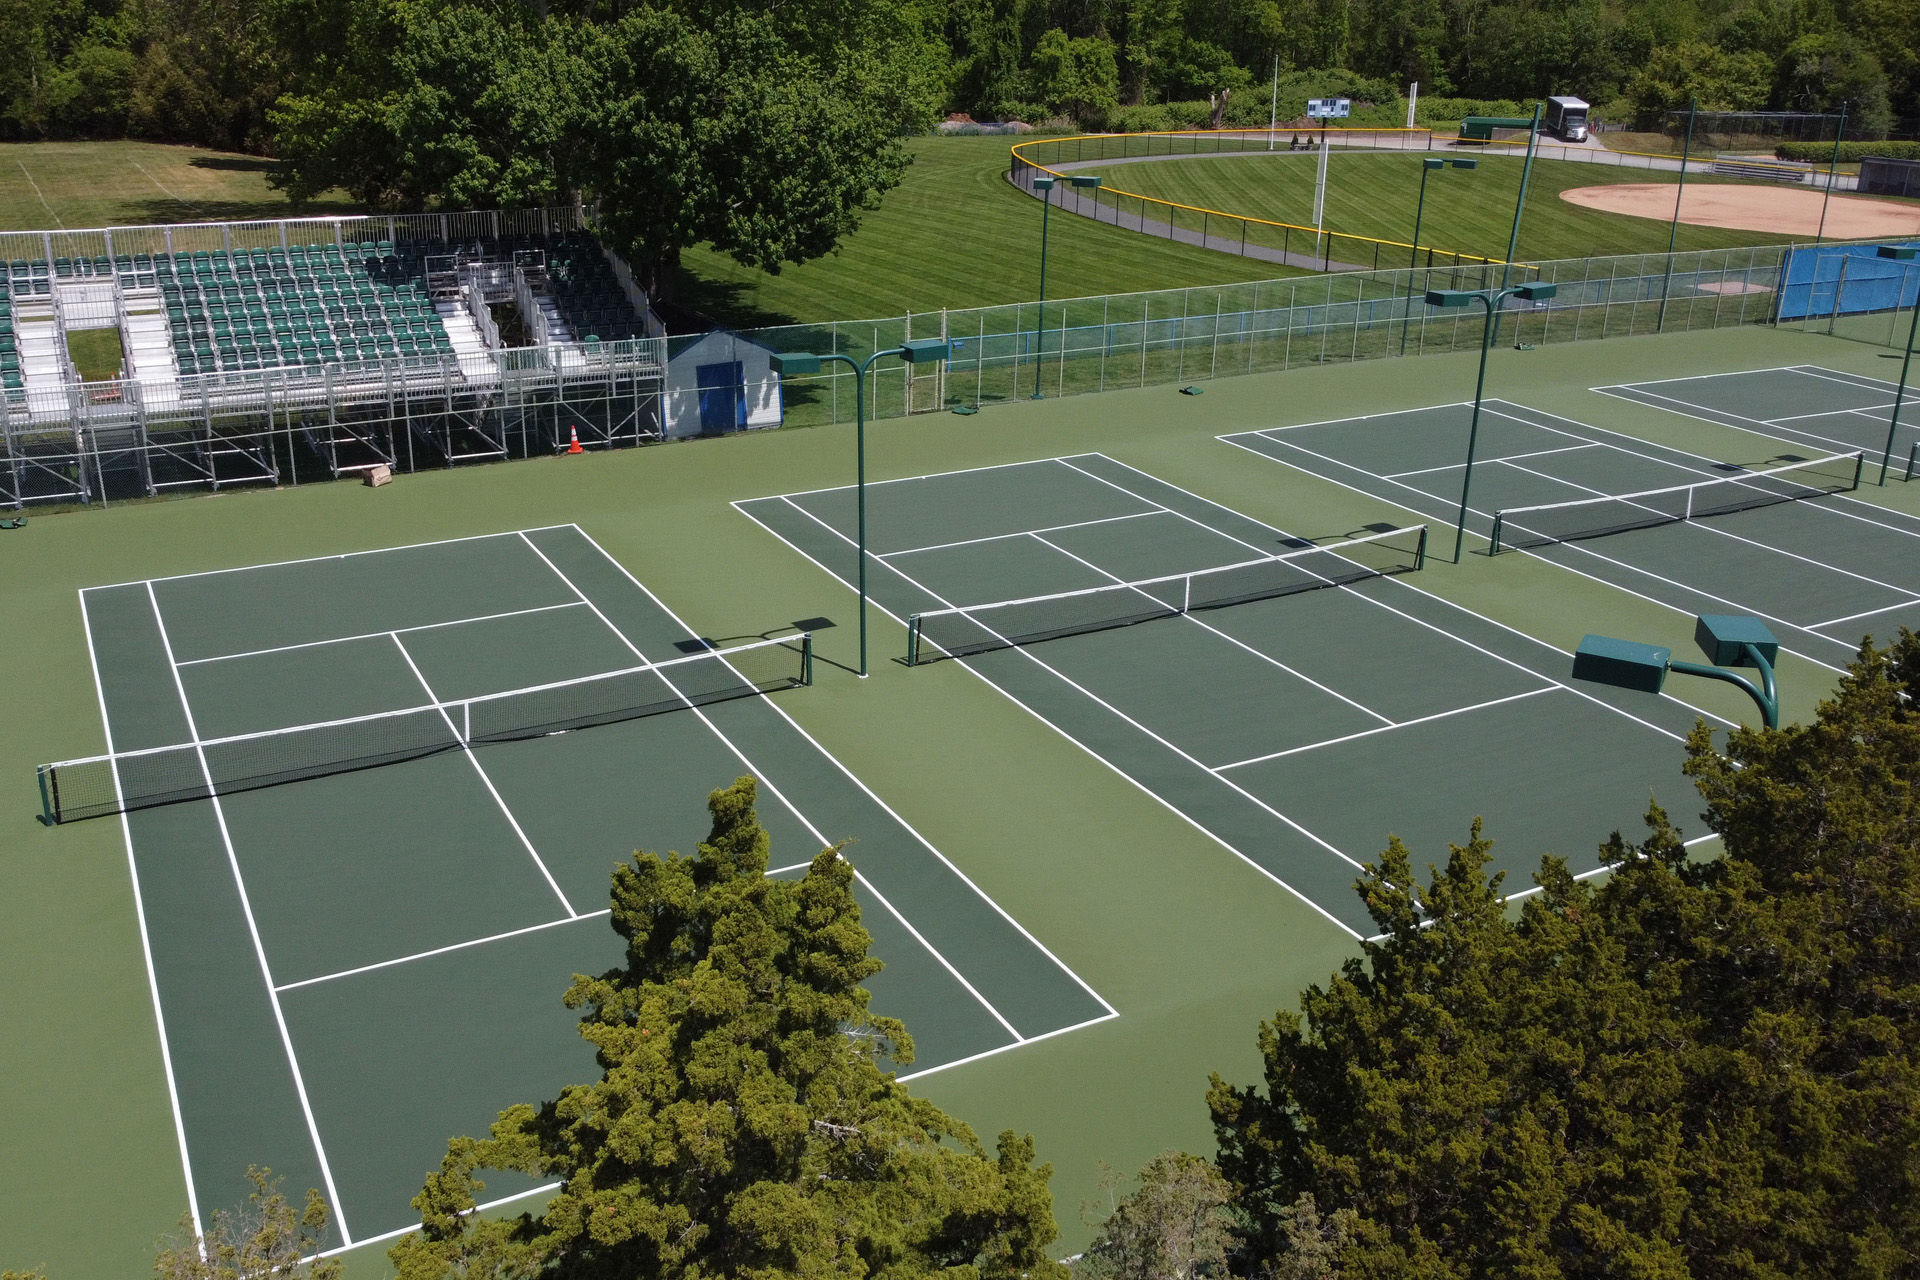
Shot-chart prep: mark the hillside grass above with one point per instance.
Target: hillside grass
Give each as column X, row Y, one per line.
column 76, row 185
column 953, row 234
column 1375, row 193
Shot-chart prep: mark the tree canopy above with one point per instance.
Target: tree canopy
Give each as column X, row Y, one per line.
column 743, row 1124
column 1699, row 1068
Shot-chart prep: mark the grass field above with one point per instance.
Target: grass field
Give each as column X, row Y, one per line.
column 1191, row 946
column 1374, row 194
column 953, row 234
column 54, row 185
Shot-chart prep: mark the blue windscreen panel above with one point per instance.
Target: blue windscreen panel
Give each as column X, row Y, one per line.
column 1846, row 280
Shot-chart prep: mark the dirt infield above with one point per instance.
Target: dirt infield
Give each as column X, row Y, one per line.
column 1781, row 210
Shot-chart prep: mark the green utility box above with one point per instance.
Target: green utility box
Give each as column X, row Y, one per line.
column 1480, row 128
column 1722, row 635
column 1624, row 664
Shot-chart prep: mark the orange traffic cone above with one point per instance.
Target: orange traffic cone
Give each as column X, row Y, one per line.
column 573, row 446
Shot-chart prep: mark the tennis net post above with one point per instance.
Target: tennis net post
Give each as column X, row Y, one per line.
column 1913, row 460
column 49, row 795
column 913, row 635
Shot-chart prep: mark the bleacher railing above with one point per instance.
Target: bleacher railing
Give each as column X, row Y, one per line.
column 282, row 233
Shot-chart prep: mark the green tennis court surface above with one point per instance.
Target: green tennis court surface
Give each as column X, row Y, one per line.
column 1804, row 405
column 1822, row 571
column 1296, row 730
column 352, row 968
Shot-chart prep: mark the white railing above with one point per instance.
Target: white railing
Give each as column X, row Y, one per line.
column 530, row 312
column 475, row 298
column 635, row 294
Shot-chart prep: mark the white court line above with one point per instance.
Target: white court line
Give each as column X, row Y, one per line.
column 380, row 635
column 1455, row 466
column 542, row 1189
column 1264, row 657
column 1004, row 537
column 1719, row 531
column 441, row 951
column 1389, row 728
column 1854, row 617
column 1833, row 508
column 756, row 772
column 1005, row 1048
column 466, row 749
column 1492, row 622
column 146, row 942
column 1098, row 701
column 884, row 807
column 1404, row 584
column 1575, row 547
column 871, row 484
column 344, row 555
column 259, row 947
column 1122, row 774
column 1698, row 412
column 1828, row 413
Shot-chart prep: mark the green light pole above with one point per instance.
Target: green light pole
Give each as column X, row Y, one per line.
column 801, row 363
column 1730, row 640
column 1044, row 184
column 1491, row 299
column 1519, row 205
column 1900, row 253
column 1429, row 165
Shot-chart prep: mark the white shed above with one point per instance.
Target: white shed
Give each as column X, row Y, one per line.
column 719, row 382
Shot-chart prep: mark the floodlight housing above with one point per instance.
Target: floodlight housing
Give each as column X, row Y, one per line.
column 1623, row 664
column 1537, row 292
column 1085, row 180
column 1900, row 251
column 1433, row 162
column 925, row 350
column 1724, row 638
column 1043, row 183
column 1468, row 163
column 1450, row 297
column 794, row 363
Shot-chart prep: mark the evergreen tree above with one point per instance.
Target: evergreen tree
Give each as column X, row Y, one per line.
column 743, row 1125
column 1698, row 1069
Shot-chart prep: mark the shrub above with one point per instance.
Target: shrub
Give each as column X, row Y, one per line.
column 1850, row 152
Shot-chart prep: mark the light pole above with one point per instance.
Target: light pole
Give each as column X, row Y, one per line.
column 1520, row 202
column 1901, row 253
column 1491, row 299
column 1731, row 639
column 1044, row 185
column 801, row 363
column 1430, row 165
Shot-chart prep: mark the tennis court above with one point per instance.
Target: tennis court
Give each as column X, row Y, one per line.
column 1297, row 716
column 1806, row 405
column 350, row 967
column 1822, row 571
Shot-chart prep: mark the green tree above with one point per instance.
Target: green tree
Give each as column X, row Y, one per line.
column 1722, row 80
column 1819, row 72
column 1697, row 1069
column 743, row 1124
column 1075, row 76
column 265, row 1240
column 1173, row 1226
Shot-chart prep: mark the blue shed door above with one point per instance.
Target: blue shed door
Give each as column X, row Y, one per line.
column 723, row 398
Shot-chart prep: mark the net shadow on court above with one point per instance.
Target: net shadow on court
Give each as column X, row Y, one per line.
column 1297, row 727
column 1777, row 536
column 353, row 964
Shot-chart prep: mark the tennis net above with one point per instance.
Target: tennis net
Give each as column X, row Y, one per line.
column 129, row 780
column 1005, row 624
column 1539, row 526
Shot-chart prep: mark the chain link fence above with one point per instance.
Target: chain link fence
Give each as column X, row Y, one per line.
column 1192, row 335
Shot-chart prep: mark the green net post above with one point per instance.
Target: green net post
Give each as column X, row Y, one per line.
column 1913, row 460
column 49, row 808
column 913, row 640
column 806, row 657
column 1859, row 462
column 1420, row 551
column 1493, row 544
